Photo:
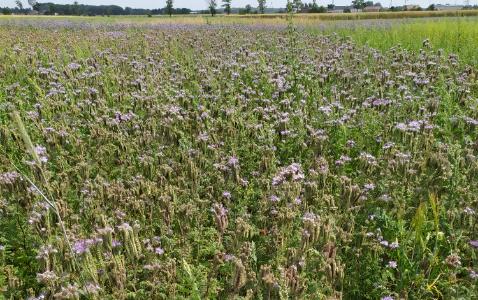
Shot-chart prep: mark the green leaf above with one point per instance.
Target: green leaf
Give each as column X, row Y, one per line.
column 206, row 263
column 312, row 288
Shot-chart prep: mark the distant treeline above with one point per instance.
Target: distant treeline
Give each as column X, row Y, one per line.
column 90, row 10
column 237, row 10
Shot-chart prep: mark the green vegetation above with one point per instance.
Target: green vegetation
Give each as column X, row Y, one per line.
column 154, row 160
column 454, row 35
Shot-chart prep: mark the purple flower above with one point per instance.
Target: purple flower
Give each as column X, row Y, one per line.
column 473, row 274
column 80, row 247
column 387, row 298
column 219, row 210
column 116, row 244
column 310, row 218
column 274, row 198
column 2, row 248
column 229, row 257
column 45, row 252
column 388, row 145
column 293, row 171
column 74, row 66
column 233, row 161
column 350, row 144
column 40, row 150
column 369, row 186
column 48, row 276
column 93, row 288
column 226, row 194
column 474, row 243
column 391, row 264
column 159, row 251
column 394, row 245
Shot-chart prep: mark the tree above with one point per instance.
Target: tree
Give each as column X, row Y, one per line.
column 289, row 7
column 347, row 10
column 227, row 6
column 248, row 9
column 6, row 11
column 19, row 4
column 169, row 7
column 314, row 8
column 431, row 7
column 52, row 8
column 298, row 5
column 211, row 4
column 368, row 3
column 358, row 4
column 262, row 6
column 34, row 4
column 74, row 9
column 103, row 10
column 183, row 11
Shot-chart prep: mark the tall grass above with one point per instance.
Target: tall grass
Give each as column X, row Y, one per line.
column 452, row 35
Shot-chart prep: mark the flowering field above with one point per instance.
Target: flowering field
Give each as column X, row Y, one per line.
column 142, row 161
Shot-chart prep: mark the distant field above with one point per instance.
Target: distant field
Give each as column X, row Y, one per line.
column 276, row 19
column 314, row 18
column 457, row 34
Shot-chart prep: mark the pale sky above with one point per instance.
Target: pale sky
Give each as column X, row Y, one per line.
column 201, row 4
